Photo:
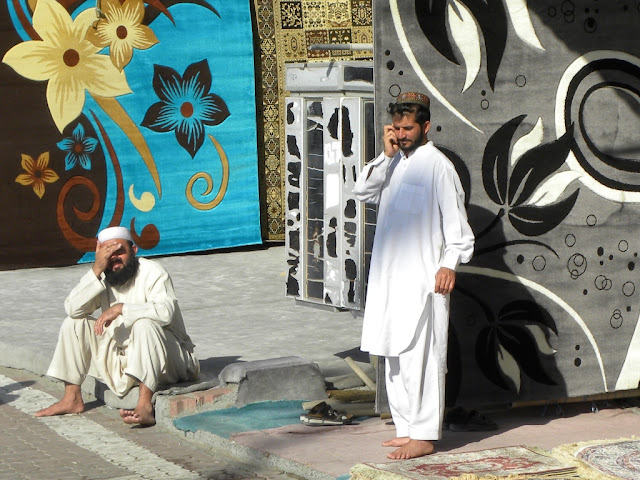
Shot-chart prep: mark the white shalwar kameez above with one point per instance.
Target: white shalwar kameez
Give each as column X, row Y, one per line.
column 422, row 226
column 148, row 343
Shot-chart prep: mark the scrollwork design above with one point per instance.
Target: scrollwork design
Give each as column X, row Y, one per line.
column 80, row 242
column 149, row 236
column 207, row 177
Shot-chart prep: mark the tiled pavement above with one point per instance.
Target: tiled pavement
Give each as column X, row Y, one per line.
column 97, row 445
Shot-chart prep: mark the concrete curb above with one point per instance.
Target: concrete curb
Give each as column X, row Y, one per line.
column 17, row 356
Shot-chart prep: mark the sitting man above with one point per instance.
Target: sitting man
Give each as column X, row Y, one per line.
column 139, row 339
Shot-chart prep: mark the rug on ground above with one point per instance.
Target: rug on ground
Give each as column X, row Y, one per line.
column 604, row 459
column 255, row 416
column 509, row 462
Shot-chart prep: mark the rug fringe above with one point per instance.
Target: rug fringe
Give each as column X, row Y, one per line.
column 365, row 472
column 371, row 474
column 585, row 472
column 473, row 476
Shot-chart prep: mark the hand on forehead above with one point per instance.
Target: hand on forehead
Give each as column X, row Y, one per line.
column 113, row 242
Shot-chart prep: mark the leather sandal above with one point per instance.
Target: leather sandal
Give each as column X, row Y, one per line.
column 323, row 414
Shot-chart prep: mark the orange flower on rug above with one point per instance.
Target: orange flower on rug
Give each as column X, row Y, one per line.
column 510, row 462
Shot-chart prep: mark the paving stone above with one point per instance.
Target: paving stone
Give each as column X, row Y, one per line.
column 27, row 438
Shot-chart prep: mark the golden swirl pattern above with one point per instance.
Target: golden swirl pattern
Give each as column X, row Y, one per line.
column 205, row 176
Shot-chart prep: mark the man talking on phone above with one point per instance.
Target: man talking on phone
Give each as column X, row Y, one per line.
column 422, row 234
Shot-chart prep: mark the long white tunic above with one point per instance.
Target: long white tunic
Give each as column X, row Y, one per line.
column 147, row 343
column 422, row 226
column 150, row 296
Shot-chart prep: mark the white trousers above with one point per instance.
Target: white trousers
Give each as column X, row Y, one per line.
column 415, row 379
column 121, row 357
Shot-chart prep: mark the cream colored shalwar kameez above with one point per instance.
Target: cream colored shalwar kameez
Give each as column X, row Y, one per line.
column 148, row 343
column 422, row 226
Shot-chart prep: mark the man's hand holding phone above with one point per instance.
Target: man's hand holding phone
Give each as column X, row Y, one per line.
column 391, row 145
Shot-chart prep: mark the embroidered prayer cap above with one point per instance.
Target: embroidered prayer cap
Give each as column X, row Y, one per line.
column 115, row 232
column 414, row 97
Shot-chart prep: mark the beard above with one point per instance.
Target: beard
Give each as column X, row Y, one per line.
column 413, row 145
column 124, row 274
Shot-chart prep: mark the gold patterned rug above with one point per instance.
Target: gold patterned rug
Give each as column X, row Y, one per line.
column 499, row 463
column 604, row 459
column 286, row 29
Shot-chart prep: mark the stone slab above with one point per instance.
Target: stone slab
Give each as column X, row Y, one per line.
column 284, row 378
column 235, row 372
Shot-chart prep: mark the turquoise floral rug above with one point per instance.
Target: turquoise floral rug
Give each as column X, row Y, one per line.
column 141, row 114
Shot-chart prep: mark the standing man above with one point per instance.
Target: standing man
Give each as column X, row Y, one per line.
column 422, row 235
column 139, row 339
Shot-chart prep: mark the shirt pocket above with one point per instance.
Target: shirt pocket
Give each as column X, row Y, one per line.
column 410, row 199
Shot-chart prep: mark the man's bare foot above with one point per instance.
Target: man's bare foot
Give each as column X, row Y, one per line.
column 62, row 407
column 141, row 415
column 396, row 442
column 412, row 449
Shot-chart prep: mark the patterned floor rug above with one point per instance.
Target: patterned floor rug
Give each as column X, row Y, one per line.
column 510, row 462
column 603, row 460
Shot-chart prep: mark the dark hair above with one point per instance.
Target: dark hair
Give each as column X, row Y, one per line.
column 423, row 113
